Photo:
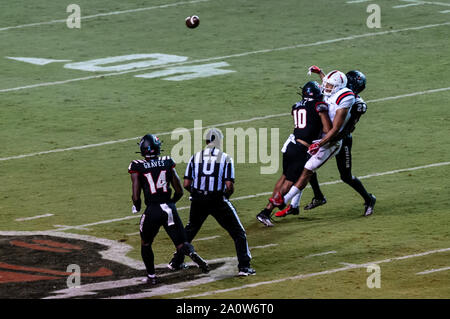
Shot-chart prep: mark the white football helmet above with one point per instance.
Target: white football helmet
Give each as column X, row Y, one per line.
column 333, row 82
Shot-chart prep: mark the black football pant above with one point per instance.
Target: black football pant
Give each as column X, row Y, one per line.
column 344, row 164
column 225, row 214
column 155, row 216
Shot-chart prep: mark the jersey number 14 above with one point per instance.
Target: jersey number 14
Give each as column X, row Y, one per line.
column 160, row 182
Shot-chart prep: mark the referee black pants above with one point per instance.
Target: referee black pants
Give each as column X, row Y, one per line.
column 225, row 214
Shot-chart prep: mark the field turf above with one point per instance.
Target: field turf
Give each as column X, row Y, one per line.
column 66, row 145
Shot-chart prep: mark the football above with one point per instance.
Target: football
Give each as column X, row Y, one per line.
column 192, row 22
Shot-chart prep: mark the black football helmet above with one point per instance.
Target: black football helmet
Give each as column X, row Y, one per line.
column 311, row 90
column 356, row 81
column 150, row 145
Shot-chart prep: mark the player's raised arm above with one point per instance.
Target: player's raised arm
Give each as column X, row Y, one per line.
column 317, row 70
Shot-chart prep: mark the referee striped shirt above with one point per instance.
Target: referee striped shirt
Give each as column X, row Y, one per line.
column 209, row 169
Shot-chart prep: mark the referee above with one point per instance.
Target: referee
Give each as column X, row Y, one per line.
column 209, row 178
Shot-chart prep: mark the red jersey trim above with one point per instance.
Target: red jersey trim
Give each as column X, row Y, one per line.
column 343, row 95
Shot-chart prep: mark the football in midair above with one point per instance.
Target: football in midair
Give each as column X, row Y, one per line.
column 192, row 22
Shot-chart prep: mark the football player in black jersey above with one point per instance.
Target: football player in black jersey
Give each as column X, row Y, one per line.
column 154, row 175
column 310, row 120
column 356, row 83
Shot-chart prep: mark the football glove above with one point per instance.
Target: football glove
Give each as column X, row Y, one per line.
column 314, row 69
column 136, row 206
column 313, row 148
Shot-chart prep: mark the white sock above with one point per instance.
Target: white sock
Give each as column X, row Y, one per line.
column 296, row 200
column 292, row 192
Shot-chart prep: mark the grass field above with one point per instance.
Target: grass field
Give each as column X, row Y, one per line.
column 68, row 135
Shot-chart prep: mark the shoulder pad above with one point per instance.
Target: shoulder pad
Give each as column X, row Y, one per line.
column 360, row 105
column 135, row 166
column 321, row 106
column 343, row 95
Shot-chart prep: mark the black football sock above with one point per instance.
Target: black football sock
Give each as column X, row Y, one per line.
column 356, row 184
column 314, row 182
column 149, row 259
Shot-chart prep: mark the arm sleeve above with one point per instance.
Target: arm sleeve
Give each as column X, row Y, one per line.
column 229, row 170
column 189, row 174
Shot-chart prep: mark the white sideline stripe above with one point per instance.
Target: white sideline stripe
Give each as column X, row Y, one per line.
column 258, row 118
column 352, row 37
column 34, row 217
column 304, row 276
column 101, row 15
column 258, row 195
column 322, row 254
column 445, row 11
column 426, row 272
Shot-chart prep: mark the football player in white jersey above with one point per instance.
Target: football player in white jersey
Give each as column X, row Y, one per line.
column 339, row 99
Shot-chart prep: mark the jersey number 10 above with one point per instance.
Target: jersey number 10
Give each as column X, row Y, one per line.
column 299, row 118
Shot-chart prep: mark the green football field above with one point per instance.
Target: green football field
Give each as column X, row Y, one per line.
column 75, row 101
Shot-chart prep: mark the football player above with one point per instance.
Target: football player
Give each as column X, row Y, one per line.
column 310, row 120
column 356, row 81
column 339, row 99
column 154, row 175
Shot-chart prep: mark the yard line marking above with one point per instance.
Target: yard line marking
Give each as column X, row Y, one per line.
column 34, row 217
column 445, row 11
column 258, row 118
column 432, row 271
column 256, row 195
column 206, row 238
column 322, row 254
column 357, row 1
column 304, row 276
column 352, row 37
column 264, row 246
column 409, row 5
column 101, row 15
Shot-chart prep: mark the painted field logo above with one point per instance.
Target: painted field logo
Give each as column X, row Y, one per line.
column 171, row 70
column 77, row 266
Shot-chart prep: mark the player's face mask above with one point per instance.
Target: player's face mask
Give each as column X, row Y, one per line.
column 327, row 89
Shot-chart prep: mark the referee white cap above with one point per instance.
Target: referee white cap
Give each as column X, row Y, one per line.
column 214, row 137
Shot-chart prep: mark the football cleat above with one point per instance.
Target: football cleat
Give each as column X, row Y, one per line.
column 247, row 271
column 288, row 211
column 369, row 207
column 151, row 279
column 174, row 267
column 264, row 219
column 202, row 264
column 315, row 203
